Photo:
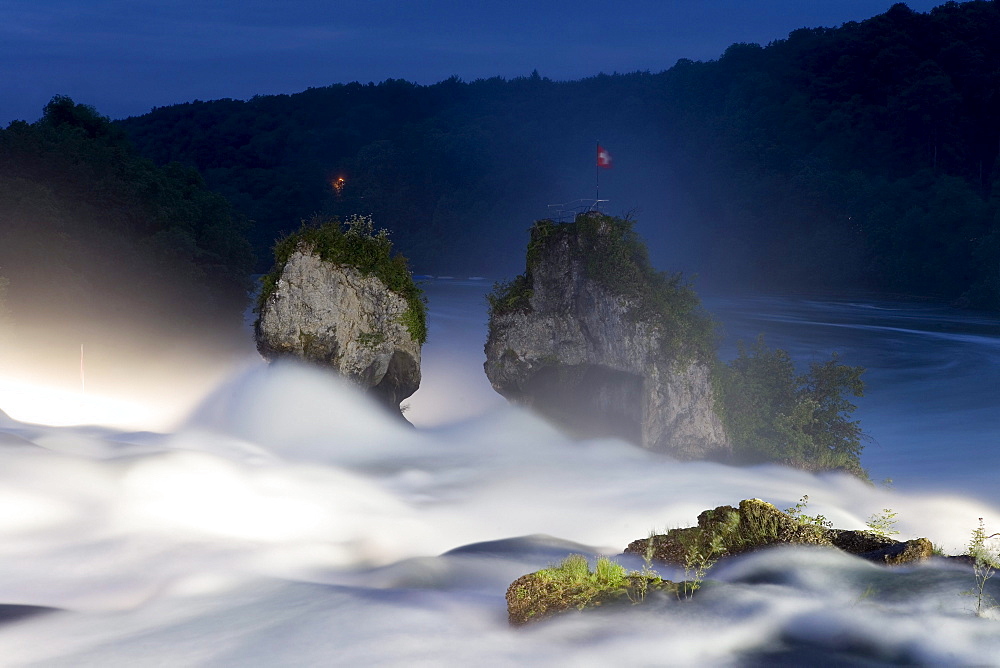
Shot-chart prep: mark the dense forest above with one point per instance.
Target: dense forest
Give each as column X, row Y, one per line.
column 863, row 156
column 98, row 240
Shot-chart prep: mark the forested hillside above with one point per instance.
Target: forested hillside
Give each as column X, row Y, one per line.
column 863, row 156
column 96, row 238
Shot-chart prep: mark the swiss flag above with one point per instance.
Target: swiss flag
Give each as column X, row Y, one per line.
column 603, row 157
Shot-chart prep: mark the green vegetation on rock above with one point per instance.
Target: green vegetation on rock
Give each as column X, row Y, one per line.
column 723, row 532
column 727, row 531
column 615, row 257
column 572, row 585
column 770, row 413
column 357, row 244
column 509, row 296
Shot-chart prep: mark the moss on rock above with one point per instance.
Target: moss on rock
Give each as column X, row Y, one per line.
column 726, row 531
column 572, row 585
column 721, row 532
column 359, row 246
column 615, row 256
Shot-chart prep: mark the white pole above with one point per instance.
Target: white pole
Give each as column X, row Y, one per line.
column 597, row 176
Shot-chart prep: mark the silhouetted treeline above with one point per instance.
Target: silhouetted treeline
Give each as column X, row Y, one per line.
column 864, row 156
column 95, row 236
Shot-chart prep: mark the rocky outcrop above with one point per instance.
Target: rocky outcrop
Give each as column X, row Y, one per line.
column 721, row 532
column 726, row 531
column 572, row 585
column 332, row 315
column 578, row 340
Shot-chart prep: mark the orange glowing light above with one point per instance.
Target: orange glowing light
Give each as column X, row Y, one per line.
column 338, row 184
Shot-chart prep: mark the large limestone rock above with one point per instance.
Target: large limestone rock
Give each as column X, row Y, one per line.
column 333, row 316
column 573, row 348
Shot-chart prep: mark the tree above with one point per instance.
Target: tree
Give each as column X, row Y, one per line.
column 62, row 111
column 95, row 233
column 822, row 412
column 803, row 421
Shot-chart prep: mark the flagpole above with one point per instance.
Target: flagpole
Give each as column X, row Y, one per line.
column 597, row 176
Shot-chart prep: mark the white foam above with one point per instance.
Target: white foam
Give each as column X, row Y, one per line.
column 291, row 521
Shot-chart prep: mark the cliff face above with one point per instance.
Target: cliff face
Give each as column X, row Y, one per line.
column 331, row 315
column 590, row 358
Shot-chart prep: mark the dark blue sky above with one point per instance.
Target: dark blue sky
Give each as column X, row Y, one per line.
column 127, row 56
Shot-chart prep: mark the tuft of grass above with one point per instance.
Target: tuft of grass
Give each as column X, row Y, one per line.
column 573, row 579
column 573, row 585
column 355, row 243
column 697, row 561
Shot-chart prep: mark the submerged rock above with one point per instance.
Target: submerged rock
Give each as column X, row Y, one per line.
column 343, row 318
column 594, row 339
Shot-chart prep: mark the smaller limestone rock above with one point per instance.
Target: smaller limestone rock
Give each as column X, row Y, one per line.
column 344, row 318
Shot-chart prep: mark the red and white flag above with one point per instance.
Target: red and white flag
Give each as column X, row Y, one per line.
column 603, row 157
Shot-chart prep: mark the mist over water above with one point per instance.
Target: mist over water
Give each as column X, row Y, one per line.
column 287, row 521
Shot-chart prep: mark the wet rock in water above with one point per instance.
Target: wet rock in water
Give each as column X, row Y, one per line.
column 571, row 585
column 901, row 553
column 594, row 339
column 861, row 542
column 721, row 532
column 726, row 531
column 340, row 317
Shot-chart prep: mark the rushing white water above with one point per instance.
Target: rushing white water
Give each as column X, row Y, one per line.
column 287, row 522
